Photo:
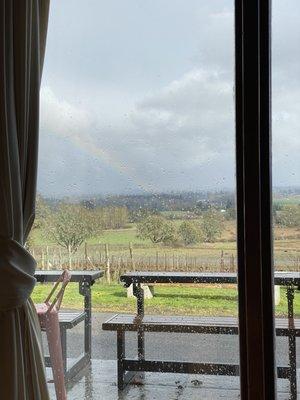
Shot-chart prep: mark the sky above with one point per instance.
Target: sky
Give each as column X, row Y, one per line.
column 138, row 97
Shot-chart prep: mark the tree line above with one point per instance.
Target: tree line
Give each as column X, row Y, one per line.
column 69, row 225
column 287, row 215
column 208, row 228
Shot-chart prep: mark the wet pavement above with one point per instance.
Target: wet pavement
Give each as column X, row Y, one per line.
column 99, row 383
column 162, row 346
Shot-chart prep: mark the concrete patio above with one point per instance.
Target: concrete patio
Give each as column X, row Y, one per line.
column 99, row 381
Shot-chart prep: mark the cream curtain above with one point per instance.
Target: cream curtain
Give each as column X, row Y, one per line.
column 23, row 28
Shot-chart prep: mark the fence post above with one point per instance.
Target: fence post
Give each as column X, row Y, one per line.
column 85, row 255
column 53, row 260
column 232, row 262
column 47, row 258
column 107, row 262
column 131, row 256
column 100, row 257
column 70, row 257
column 43, row 259
column 222, row 261
column 59, row 258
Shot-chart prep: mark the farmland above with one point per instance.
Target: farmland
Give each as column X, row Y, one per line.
column 118, row 247
column 146, row 255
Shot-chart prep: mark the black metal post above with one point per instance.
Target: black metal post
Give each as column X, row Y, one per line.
column 121, row 357
column 292, row 343
column 63, row 338
column 85, row 290
column 139, row 293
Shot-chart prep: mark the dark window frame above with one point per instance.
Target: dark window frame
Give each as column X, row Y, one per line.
column 254, row 199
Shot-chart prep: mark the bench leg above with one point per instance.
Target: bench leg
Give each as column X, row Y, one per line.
column 63, row 338
column 121, row 356
column 139, row 293
column 293, row 367
column 292, row 344
column 141, row 345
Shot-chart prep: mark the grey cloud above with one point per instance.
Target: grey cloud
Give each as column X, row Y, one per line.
column 161, row 116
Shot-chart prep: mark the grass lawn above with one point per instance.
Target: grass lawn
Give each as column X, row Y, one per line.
column 119, row 236
column 288, row 200
column 175, row 299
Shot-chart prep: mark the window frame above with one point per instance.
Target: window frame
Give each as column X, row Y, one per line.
column 254, row 199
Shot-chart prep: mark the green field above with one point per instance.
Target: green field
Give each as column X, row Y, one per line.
column 175, row 299
column 146, row 254
column 292, row 200
column 197, row 300
column 123, row 250
column 126, row 235
column 119, row 236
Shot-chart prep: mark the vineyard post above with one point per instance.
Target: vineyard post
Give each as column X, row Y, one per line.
column 70, row 257
column 100, row 258
column 53, row 259
column 59, row 257
column 131, row 256
column 107, row 262
column 47, row 258
column 232, row 262
column 85, row 255
column 222, row 261
column 43, row 259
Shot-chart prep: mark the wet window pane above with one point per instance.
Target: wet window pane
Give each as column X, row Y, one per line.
column 286, row 166
column 137, row 174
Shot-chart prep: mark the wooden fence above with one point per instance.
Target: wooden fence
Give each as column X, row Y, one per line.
column 117, row 259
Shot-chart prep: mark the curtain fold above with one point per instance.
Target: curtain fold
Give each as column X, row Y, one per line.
column 23, row 29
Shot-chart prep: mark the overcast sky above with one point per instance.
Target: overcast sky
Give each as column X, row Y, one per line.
column 138, row 95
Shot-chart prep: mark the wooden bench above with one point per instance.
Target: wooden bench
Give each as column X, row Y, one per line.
column 68, row 320
column 127, row 368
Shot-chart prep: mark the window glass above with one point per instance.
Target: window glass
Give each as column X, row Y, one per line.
column 286, row 165
column 137, row 170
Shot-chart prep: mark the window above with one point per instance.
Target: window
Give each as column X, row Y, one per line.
column 137, row 135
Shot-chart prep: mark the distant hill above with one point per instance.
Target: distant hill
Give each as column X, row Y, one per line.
column 174, row 201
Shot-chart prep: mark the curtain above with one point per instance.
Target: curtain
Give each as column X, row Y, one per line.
column 23, row 28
